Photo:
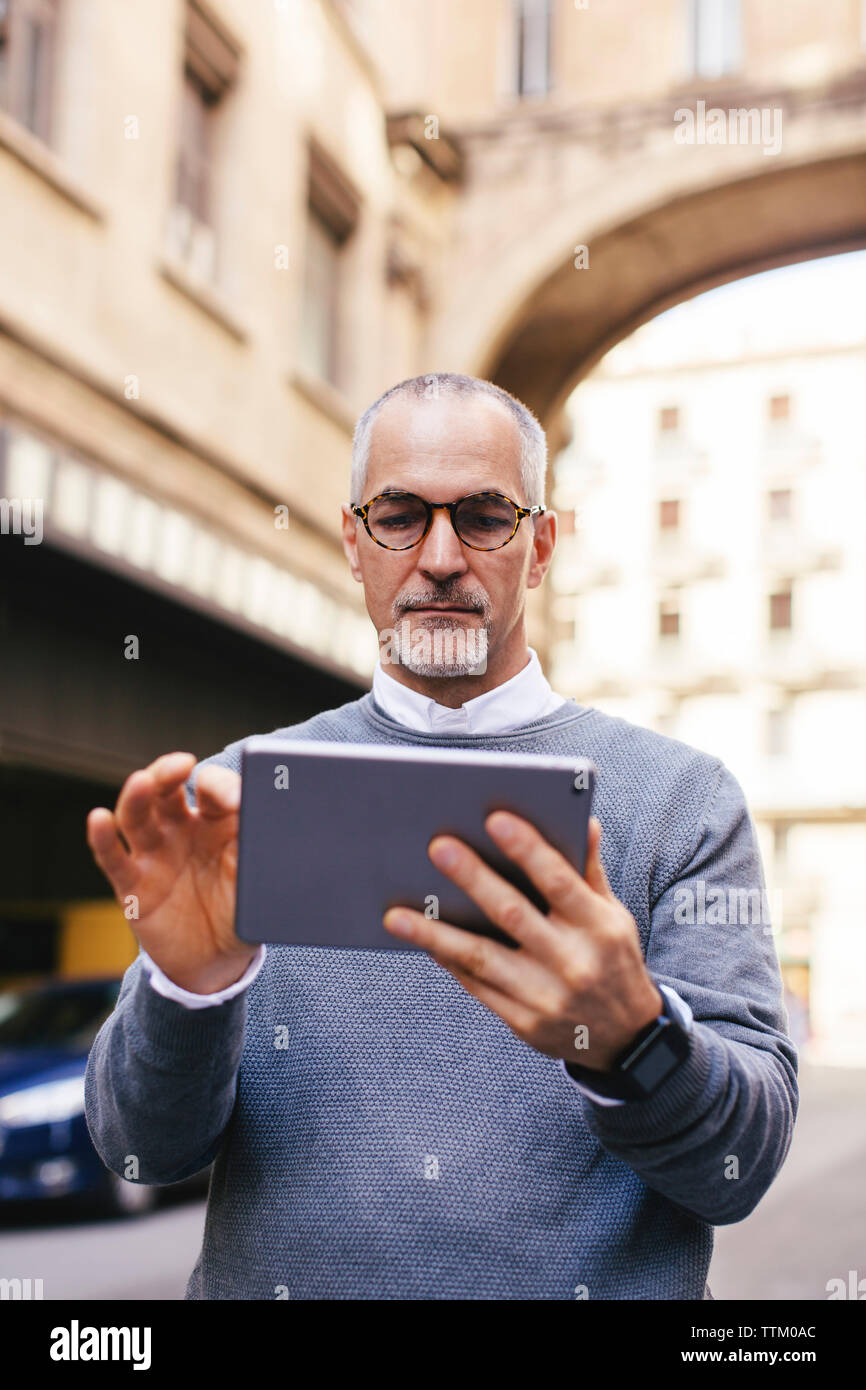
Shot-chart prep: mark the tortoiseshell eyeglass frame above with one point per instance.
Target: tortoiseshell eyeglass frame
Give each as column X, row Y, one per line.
column 450, row 508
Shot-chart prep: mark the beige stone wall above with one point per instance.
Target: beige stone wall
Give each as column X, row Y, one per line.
column 616, row 51
column 224, row 422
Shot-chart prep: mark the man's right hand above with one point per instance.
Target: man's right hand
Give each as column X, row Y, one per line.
column 180, row 867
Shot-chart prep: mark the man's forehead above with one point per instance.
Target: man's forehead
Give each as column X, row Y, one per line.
column 478, row 425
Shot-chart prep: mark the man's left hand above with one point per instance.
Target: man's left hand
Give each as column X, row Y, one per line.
column 579, row 966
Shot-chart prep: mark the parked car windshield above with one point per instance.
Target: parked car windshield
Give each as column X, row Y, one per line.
column 68, row 1017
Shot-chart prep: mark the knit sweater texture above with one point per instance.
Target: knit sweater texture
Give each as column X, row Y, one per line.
column 405, row 1144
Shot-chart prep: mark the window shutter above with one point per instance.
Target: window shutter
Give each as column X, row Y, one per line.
column 331, row 195
column 210, row 53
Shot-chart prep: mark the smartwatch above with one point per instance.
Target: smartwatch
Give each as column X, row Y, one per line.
column 650, row 1058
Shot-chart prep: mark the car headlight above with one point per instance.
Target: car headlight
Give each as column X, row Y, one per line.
column 46, row 1104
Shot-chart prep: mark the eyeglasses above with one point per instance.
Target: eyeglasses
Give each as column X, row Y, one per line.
column 483, row 521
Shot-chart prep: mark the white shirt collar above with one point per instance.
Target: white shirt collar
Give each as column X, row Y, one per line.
column 521, row 700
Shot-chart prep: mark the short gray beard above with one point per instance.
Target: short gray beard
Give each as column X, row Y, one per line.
column 459, row 651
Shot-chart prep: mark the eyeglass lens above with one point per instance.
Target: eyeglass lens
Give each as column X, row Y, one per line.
column 483, row 521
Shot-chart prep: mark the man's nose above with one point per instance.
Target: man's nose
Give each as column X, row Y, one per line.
column 441, row 551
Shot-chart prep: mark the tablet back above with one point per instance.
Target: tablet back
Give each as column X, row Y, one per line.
column 333, row 834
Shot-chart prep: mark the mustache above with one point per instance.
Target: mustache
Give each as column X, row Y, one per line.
column 447, row 594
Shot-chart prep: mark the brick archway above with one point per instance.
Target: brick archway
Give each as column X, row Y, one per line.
column 668, row 255
column 662, row 222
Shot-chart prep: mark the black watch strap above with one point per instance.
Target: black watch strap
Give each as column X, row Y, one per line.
column 648, row 1060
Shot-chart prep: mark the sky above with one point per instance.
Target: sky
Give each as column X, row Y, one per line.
column 814, row 302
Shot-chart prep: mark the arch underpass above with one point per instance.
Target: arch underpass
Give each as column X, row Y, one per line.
column 668, row 255
column 660, row 221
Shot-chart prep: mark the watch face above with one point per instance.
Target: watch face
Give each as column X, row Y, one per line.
column 659, row 1057
column 638, row 1073
column 657, row 1063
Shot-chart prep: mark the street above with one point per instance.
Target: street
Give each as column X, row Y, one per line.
column 811, row 1226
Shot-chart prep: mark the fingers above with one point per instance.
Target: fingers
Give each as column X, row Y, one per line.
column 594, row 872
column 218, row 797
column 133, row 813
column 503, row 904
column 558, row 881
column 152, row 798
column 108, row 851
column 485, row 960
column 170, row 773
column 518, row 1017
column 217, row 791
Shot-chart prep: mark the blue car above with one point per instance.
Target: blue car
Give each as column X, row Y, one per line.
column 46, row 1032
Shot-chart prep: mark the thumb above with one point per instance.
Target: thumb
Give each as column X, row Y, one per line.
column 217, row 791
column 594, row 873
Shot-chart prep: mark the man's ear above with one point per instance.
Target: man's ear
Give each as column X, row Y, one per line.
column 350, row 541
column 543, row 546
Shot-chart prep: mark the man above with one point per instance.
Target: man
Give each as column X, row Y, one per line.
column 565, row 1119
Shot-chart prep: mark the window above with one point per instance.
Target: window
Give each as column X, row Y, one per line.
column 669, row 515
column 332, row 214
column 321, row 281
column 532, row 20
column 777, row 732
column 779, row 408
column 781, row 611
column 780, row 504
column 564, row 615
column 669, row 618
column 193, row 164
column 210, row 69
column 713, row 37
column 28, row 38
column 4, row 53
column 669, row 419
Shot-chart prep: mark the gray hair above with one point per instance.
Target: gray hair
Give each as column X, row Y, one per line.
column 533, row 444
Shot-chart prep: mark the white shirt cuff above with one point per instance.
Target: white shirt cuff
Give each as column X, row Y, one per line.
column 686, row 1018
column 166, row 987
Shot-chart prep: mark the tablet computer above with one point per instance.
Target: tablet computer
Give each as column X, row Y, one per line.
column 333, row 834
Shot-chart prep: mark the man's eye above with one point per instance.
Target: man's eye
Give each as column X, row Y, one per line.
column 484, row 521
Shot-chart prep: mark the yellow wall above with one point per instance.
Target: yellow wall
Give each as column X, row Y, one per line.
column 94, row 939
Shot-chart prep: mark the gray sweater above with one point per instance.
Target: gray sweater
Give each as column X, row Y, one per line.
column 406, row 1144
